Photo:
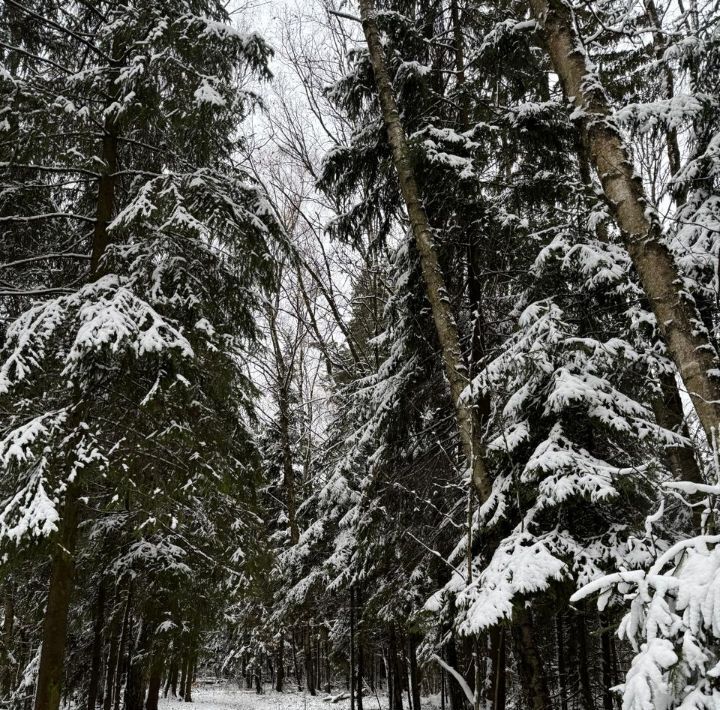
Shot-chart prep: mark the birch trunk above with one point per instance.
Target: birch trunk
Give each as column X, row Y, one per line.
column 435, row 290
column 677, row 316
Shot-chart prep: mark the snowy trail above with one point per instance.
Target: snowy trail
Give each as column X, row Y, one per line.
column 232, row 698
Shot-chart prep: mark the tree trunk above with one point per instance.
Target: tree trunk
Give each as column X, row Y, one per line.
column 414, row 671
column 395, row 688
column 296, row 665
column 6, row 674
column 445, row 326
column 187, row 690
column 309, row 674
column 124, row 637
column 561, row 662
column 676, row 314
column 530, row 667
column 135, row 683
column 94, row 683
column 52, row 655
column 154, row 682
column 455, row 694
column 497, row 668
column 352, row 648
column 606, row 670
column 586, row 694
column 280, row 675
column 183, row 674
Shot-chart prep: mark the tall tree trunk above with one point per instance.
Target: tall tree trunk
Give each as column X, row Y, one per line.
column 435, row 290
column 393, row 667
column 360, row 658
column 498, row 677
column 6, row 674
column 530, row 667
column 296, row 665
column 172, row 678
column 189, row 676
column 455, row 694
column 154, row 682
column 561, row 662
column 52, row 655
column 606, row 669
column 97, row 648
column 122, row 662
column 676, row 314
column 280, row 675
column 135, row 683
column 183, row 673
column 352, row 648
column 309, row 674
column 414, row 671
column 586, row 694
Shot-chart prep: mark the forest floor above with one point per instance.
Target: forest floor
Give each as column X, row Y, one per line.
column 229, row 697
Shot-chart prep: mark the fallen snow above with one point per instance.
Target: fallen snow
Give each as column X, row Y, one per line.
column 229, row 697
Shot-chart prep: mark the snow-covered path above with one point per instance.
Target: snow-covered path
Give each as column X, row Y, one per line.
column 229, row 697
column 232, row 698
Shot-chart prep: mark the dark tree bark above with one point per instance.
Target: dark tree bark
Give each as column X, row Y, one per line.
column 6, row 673
column 530, row 667
column 497, row 668
column 52, row 656
column 189, row 677
column 95, row 668
column 135, row 683
column 280, row 675
column 414, row 671
column 123, row 661
column 586, row 694
column 352, row 648
column 309, row 674
column 154, row 682
column 561, row 661
column 455, row 694
column 605, row 641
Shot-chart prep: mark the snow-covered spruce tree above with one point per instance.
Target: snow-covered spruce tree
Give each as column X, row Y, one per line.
column 137, row 249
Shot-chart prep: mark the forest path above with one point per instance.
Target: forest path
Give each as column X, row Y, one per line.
column 229, row 697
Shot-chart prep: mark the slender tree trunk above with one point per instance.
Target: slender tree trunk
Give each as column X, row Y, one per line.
column 122, row 663
column 135, row 683
column 435, row 289
column 154, row 682
column 309, row 674
column 6, row 675
column 94, row 683
column 586, row 694
column 455, row 694
column 606, row 669
column 530, row 667
column 360, row 657
column 561, row 662
column 183, row 674
column 187, row 691
column 497, row 668
column 414, row 671
column 352, row 648
column 52, row 655
column 676, row 314
column 396, row 686
column 296, row 665
column 280, row 675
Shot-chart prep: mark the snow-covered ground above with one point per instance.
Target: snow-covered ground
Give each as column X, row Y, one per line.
column 229, row 697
